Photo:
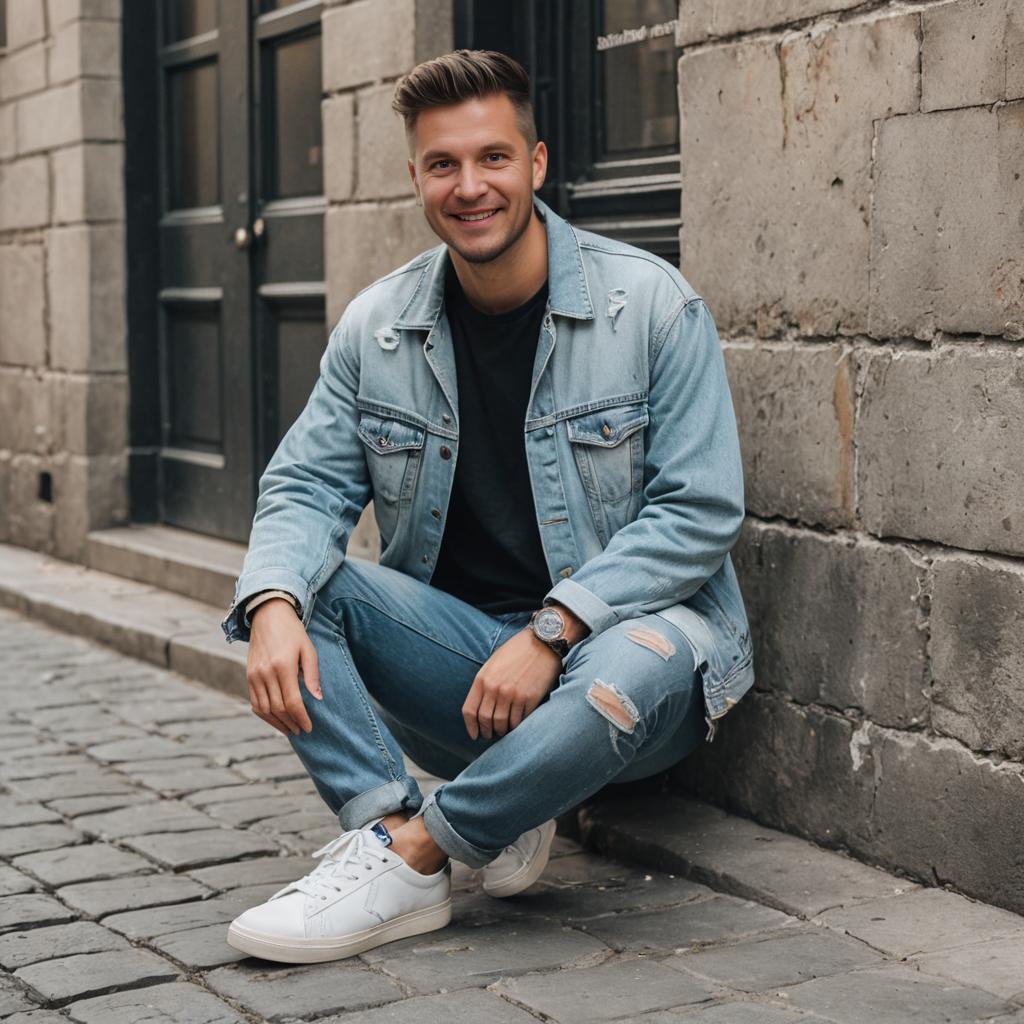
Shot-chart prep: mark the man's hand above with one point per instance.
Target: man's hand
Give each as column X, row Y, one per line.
column 510, row 684
column 278, row 648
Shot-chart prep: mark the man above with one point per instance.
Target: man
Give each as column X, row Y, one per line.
column 542, row 419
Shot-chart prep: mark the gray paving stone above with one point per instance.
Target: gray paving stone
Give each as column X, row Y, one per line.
column 17, row 812
column 258, row 871
column 298, row 823
column 896, row 995
column 279, row 992
column 177, row 1003
column 34, row 908
column 43, row 747
column 225, row 730
column 156, row 816
column 91, row 782
column 130, row 893
column 251, row 790
column 36, row 1017
column 731, row 1012
column 275, row 767
column 46, row 765
column 148, row 747
column 251, row 750
column 13, row 997
column 924, row 922
column 186, row 709
column 30, row 945
column 179, row 780
column 81, row 716
column 198, row 949
column 464, row 957
column 469, row 1006
column 780, row 960
column 256, row 808
column 638, row 892
column 996, row 966
column 12, row 881
column 606, row 992
column 145, row 924
column 159, row 765
column 90, row 861
column 675, row 928
column 84, row 738
column 181, row 850
column 90, row 974
column 76, row 806
column 28, row 838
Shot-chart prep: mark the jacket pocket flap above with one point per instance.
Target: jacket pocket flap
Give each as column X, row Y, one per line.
column 608, row 427
column 386, row 435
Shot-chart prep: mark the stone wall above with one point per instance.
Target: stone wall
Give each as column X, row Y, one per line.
column 63, row 383
column 853, row 187
column 373, row 223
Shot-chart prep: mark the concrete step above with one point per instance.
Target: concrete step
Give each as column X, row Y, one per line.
column 136, row 617
column 187, row 563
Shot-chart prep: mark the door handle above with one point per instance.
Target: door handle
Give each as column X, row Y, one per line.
column 244, row 239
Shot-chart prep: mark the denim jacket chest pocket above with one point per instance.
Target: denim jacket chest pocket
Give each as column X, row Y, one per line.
column 608, row 447
column 394, row 450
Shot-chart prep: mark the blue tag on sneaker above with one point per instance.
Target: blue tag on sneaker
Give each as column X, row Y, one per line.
column 380, row 830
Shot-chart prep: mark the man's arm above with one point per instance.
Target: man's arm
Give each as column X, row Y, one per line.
column 311, row 494
column 693, row 498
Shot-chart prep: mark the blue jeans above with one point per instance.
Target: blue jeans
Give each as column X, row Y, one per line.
column 397, row 658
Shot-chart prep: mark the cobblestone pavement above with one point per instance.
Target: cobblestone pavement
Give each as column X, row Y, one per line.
column 142, row 812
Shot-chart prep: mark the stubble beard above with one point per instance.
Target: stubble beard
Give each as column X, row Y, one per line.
column 502, row 247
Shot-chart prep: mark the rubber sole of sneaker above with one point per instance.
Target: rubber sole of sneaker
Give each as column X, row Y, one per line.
column 528, row 873
column 315, row 951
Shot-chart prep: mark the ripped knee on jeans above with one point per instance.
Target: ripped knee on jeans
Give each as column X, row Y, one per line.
column 608, row 700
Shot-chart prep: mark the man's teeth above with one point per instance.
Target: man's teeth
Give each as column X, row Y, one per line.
column 476, row 216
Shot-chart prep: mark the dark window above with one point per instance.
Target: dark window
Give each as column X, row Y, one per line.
column 604, row 83
column 3, row 24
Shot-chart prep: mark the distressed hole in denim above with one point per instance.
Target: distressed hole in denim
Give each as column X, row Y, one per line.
column 616, row 304
column 653, row 641
column 614, row 705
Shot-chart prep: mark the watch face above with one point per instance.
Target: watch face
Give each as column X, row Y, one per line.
column 548, row 624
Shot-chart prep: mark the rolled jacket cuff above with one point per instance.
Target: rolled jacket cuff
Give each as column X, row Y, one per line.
column 236, row 625
column 584, row 604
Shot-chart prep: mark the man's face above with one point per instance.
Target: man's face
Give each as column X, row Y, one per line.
column 475, row 175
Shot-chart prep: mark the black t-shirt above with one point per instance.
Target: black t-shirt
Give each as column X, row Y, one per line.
column 491, row 554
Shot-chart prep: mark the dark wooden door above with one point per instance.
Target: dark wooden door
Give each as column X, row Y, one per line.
column 240, row 233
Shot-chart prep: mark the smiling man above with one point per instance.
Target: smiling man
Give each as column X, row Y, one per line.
column 542, row 420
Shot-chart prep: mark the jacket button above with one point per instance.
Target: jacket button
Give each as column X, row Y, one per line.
column 567, row 571
column 446, row 452
column 382, row 441
column 606, row 430
column 445, row 418
column 436, row 513
column 424, row 559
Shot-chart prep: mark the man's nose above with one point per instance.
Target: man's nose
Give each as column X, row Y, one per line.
column 471, row 184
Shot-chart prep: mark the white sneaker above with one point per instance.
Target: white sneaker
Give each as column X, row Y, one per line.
column 518, row 866
column 361, row 895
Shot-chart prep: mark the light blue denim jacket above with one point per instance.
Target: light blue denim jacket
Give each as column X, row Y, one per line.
column 630, row 439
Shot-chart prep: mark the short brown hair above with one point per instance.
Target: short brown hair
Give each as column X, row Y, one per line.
column 464, row 75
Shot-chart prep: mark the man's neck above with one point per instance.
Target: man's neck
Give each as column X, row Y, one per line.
column 515, row 276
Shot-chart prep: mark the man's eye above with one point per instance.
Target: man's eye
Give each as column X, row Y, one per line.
column 495, row 156
column 440, row 165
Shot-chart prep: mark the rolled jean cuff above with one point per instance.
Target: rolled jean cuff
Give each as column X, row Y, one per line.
column 400, row 794
column 448, row 839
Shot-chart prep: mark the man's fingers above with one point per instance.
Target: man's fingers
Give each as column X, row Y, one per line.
column 516, row 714
column 294, row 710
column 272, row 719
column 470, row 708
column 310, row 671
column 485, row 716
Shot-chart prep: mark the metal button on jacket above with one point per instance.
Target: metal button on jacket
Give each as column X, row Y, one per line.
column 446, row 452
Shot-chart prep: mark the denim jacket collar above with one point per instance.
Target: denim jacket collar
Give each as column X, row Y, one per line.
column 568, row 291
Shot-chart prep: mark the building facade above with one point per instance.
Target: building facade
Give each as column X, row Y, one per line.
column 192, row 190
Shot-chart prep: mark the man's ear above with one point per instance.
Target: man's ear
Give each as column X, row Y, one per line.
column 540, row 165
column 415, row 183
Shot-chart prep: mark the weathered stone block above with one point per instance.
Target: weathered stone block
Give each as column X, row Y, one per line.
column 993, row 966
column 61, row 11
column 466, row 1006
column 938, row 444
column 18, row 949
column 23, row 72
column 24, row 193
column 383, row 153
column 180, row 851
column 87, row 298
column 22, row 305
column 964, row 53
column 794, row 409
column 160, row 816
column 25, row 23
column 836, row 621
column 85, row 110
column 26, row 421
column 181, row 1001
column 104, row 897
column 32, row 909
column 88, row 974
column 707, row 19
column 764, row 166
column 789, row 766
column 977, row 648
column 963, row 822
column 947, row 236
column 367, row 41
column 82, row 863
column 92, row 495
column 88, row 183
column 83, row 48
column 28, row 838
column 365, row 242
column 91, row 413
column 8, row 142
column 339, row 131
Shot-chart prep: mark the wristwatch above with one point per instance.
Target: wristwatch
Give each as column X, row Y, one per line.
column 548, row 627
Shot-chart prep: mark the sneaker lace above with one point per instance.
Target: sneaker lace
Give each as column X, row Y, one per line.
column 344, row 859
